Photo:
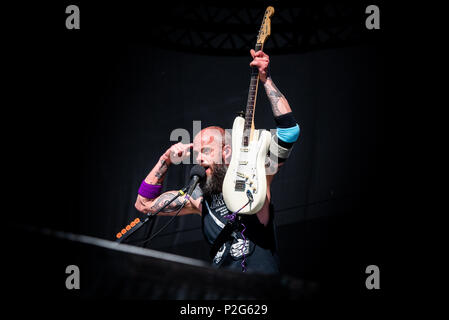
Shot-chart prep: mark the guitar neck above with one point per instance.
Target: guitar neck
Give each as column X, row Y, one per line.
column 251, row 102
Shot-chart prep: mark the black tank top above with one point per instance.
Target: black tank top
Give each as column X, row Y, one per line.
column 260, row 248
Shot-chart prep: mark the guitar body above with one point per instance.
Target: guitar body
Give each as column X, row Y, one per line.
column 246, row 171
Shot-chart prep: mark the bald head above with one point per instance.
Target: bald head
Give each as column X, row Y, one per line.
column 212, row 135
column 212, row 145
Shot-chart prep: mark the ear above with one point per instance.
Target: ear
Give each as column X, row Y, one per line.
column 227, row 152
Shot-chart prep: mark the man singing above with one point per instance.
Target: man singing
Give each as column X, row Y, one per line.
column 254, row 249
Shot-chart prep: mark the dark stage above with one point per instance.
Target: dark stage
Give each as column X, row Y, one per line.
column 98, row 105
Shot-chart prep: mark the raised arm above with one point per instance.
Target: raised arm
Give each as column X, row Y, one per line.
column 287, row 132
column 279, row 103
column 149, row 201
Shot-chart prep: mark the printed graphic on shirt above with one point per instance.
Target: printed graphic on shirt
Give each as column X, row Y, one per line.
column 220, row 253
column 237, row 250
column 240, row 247
column 218, row 205
column 214, row 218
column 237, row 247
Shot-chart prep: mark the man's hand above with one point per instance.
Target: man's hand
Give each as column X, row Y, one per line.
column 261, row 61
column 177, row 152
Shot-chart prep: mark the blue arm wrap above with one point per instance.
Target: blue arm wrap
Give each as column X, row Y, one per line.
column 288, row 135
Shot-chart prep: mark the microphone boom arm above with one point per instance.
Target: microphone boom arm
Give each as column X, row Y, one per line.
column 197, row 174
column 149, row 216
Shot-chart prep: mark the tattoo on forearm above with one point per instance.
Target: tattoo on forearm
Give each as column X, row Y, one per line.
column 274, row 95
column 162, row 170
column 164, row 199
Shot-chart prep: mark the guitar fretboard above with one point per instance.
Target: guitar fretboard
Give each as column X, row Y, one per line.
column 251, row 103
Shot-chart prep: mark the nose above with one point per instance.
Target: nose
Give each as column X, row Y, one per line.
column 198, row 159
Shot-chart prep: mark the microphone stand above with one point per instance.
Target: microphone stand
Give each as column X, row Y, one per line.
column 149, row 216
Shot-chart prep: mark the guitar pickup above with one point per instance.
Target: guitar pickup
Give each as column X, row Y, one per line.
column 240, row 185
column 243, row 162
column 244, row 149
column 241, row 175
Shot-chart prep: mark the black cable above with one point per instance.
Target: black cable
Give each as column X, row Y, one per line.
column 163, row 227
column 277, row 210
column 150, row 229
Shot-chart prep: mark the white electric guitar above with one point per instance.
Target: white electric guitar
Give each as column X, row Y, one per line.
column 245, row 182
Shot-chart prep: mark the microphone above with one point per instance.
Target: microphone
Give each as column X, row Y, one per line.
column 197, row 174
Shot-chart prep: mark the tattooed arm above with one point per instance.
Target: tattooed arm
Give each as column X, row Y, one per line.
column 156, row 176
column 193, row 205
column 279, row 104
column 174, row 154
column 287, row 128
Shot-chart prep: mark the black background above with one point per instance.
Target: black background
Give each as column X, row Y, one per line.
column 94, row 109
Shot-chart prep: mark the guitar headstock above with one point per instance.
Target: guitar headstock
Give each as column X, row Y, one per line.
column 265, row 28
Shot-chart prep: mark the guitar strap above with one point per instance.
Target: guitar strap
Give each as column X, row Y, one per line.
column 225, row 235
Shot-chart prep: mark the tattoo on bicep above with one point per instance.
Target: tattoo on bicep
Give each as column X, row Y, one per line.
column 164, row 199
column 274, row 95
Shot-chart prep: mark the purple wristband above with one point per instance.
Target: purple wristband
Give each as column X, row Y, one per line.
column 149, row 191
